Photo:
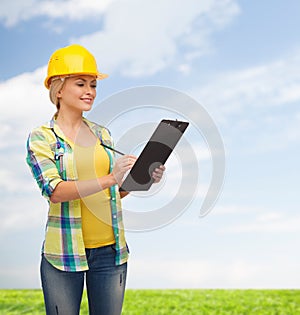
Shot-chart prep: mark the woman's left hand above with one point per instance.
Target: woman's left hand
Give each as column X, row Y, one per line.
column 158, row 173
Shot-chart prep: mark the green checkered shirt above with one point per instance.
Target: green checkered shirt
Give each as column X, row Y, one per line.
column 50, row 158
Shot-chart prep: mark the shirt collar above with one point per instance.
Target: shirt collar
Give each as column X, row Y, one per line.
column 52, row 124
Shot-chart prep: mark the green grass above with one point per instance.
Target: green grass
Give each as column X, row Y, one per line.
column 169, row 302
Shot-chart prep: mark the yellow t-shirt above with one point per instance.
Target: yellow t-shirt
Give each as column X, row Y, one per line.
column 92, row 162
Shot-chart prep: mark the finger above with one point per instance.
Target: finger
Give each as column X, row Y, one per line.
column 156, row 179
column 158, row 171
column 128, row 156
column 128, row 159
column 157, row 175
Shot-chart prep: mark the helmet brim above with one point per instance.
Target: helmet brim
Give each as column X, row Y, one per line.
column 98, row 75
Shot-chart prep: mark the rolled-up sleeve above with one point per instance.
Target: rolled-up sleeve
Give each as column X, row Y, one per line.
column 40, row 159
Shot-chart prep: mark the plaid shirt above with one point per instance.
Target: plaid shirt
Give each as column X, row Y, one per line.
column 50, row 158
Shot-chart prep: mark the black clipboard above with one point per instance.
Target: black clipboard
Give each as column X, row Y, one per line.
column 156, row 152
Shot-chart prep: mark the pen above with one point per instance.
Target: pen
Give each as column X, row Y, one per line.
column 112, row 149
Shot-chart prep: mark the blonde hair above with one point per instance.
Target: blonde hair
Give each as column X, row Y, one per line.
column 55, row 86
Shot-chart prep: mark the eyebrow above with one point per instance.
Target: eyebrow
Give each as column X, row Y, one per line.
column 82, row 79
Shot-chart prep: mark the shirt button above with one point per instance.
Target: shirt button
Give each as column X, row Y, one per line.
column 114, row 216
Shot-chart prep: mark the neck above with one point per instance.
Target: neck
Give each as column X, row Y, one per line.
column 69, row 120
column 74, row 129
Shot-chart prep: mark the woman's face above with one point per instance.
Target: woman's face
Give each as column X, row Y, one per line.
column 78, row 93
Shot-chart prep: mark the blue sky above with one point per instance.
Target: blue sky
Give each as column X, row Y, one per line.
column 240, row 61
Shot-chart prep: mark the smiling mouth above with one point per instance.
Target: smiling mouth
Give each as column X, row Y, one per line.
column 87, row 100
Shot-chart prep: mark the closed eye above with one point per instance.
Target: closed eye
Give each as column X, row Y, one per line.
column 83, row 82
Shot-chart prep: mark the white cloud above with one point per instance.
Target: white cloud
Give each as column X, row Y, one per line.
column 10, row 176
column 24, row 104
column 263, row 86
column 259, row 103
column 236, row 209
column 266, row 222
column 184, row 68
column 13, row 277
column 283, row 131
column 138, row 38
column 14, row 12
column 141, row 39
column 191, row 273
column 21, row 212
column 257, row 219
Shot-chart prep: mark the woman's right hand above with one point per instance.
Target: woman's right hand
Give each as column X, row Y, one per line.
column 122, row 165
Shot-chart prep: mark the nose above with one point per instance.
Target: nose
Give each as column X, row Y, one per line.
column 90, row 90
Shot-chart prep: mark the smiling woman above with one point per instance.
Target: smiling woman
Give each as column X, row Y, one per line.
column 77, row 92
column 79, row 177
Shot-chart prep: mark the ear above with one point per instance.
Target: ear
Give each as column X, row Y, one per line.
column 59, row 94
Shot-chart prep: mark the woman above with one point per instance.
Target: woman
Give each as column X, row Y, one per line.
column 73, row 163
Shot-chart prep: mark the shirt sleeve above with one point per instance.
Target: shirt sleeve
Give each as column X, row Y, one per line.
column 40, row 159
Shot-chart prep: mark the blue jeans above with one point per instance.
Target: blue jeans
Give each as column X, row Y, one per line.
column 105, row 283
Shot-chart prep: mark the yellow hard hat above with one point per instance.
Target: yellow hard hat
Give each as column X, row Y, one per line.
column 73, row 59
